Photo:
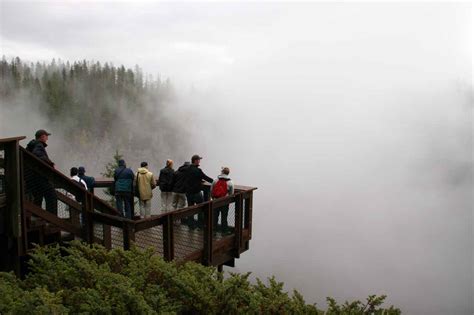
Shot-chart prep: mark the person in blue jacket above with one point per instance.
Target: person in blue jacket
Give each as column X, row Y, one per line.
column 123, row 184
column 90, row 181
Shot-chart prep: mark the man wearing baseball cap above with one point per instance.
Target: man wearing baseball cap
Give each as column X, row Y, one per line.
column 194, row 194
column 38, row 146
column 39, row 185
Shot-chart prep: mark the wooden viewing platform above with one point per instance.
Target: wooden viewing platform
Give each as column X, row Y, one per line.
column 29, row 187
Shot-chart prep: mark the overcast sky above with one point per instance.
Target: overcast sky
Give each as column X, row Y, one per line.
column 354, row 120
column 197, row 43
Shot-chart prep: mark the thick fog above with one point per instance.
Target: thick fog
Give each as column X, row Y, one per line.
column 353, row 120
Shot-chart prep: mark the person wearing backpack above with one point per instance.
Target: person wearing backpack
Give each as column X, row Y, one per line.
column 123, row 183
column 222, row 187
column 74, row 172
column 165, row 181
column 145, row 183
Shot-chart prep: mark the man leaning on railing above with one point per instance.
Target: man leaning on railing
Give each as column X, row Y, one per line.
column 194, row 194
column 38, row 185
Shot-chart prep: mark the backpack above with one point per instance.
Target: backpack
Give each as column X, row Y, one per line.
column 83, row 183
column 220, row 189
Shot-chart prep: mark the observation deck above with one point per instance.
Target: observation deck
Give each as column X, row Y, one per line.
column 40, row 205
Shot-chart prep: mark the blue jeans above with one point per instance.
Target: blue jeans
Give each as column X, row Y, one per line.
column 124, row 200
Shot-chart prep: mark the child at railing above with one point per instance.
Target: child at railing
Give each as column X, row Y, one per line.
column 222, row 187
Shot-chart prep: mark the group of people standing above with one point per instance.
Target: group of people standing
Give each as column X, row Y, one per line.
column 178, row 189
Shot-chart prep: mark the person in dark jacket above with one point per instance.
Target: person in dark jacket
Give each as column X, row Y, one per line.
column 38, row 185
column 90, row 181
column 194, row 178
column 165, row 181
column 38, row 146
column 179, row 189
column 123, row 183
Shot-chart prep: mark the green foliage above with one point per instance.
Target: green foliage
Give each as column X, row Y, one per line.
column 89, row 279
column 371, row 307
column 110, row 168
column 93, row 105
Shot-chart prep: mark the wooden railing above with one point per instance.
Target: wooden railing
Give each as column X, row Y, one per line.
column 215, row 251
column 85, row 216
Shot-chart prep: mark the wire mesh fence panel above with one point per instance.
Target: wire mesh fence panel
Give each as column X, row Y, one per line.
column 109, row 236
column 150, row 238
column 104, row 194
column 188, row 236
column 40, row 190
column 53, row 193
column 116, row 237
column 99, row 233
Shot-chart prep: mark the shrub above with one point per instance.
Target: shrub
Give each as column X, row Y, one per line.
column 85, row 279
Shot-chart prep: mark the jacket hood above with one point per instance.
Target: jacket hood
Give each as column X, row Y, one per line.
column 33, row 143
column 183, row 167
column 143, row 170
column 223, row 176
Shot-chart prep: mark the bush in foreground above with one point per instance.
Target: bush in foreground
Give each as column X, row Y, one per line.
column 83, row 279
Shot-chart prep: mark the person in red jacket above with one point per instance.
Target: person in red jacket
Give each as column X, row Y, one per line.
column 222, row 187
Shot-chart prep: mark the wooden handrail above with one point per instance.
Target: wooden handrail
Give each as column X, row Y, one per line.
column 52, row 218
column 107, row 182
column 51, row 173
column 5, row 140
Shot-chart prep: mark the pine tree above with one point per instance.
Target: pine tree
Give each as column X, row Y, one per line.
column 109, row 173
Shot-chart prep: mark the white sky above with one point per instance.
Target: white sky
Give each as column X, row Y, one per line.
column 196, row 43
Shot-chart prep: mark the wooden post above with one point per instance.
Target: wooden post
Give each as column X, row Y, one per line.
column 87, row 218
column 128, row 234
column 13, row 214
column 248, row 214
column 168, row 238
column 248, row 220
column 208, row 232
column 238, row 225
column 88, row 226
column 24, row 231
column 107, row 236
